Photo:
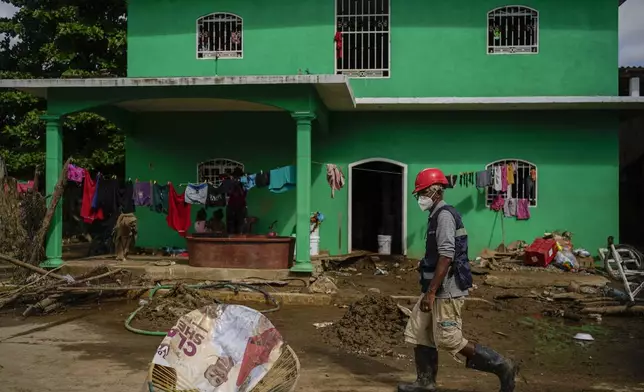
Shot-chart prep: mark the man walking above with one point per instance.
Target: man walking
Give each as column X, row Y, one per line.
column 445, row 279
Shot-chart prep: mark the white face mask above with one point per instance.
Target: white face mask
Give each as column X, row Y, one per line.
column 425, row 203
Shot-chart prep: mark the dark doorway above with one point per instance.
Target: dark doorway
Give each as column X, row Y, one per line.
column 376, row 205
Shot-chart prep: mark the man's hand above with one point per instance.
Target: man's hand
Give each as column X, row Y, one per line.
column 427, row 303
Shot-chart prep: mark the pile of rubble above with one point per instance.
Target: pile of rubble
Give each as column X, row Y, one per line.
column 372, row 326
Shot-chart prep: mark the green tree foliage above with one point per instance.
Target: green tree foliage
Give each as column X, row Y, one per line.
column 60, row 39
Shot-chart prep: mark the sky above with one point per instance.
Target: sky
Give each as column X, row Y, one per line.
column 631, row 31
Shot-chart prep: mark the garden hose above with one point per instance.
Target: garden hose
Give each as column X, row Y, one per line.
column 232, row 286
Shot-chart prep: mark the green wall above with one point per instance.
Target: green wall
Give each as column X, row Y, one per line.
column 438, row 48
column 576, row 154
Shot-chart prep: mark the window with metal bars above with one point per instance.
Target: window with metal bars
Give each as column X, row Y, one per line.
column 513, row 30
column 362, row 38
column 214, row 170
column 521, row 179
column 220, row 35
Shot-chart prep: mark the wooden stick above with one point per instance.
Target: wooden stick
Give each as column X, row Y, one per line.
column 30, row 267
column 109, row 273
column 615, row 310
column 94, row 289
column 39, row 239
column 594, row 299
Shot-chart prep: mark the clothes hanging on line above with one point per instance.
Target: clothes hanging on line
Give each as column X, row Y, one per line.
column 196, row 193
column 510, row 173
column 497, row 203
column 248, row 181
column 215, row 197
column 452, row 180
column 142, row 194
column 25, row 186
column 107, row 195
column 335, row 178
column 160, row 198
column 504, row 178
column 484, row 178
column 510, row 208
column 498, row 186
column 75, row 173
column 466, row 179
column 178, row 217
column 125, row 198
column 88, row 213
column 282, row 179
column 262, row 179
column 523, row 209
column 95, row 195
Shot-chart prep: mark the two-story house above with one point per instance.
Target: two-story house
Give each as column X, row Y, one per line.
column 380, row 88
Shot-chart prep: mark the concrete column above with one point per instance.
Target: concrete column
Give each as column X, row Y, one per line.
column 53, row 166
column 303, row 121
column 634, row 87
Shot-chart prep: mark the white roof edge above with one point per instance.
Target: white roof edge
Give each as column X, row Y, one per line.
column 175, row 81
column 421, row 101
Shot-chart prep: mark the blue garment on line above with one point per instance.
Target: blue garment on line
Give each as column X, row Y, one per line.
column 95, row 197
column 248, row 181
column 282, row 179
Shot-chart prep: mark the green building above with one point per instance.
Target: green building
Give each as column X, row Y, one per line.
column 380, row 88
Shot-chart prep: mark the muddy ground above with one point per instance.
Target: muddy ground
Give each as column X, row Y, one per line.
column 88, row 349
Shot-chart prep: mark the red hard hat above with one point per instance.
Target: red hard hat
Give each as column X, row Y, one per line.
column 428, row 177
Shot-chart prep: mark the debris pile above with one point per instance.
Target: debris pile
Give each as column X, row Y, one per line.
column 163, row 311
column 46, row 291
column 374, row 326
column 21, row 216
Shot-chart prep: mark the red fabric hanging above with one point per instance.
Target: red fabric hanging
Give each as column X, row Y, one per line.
column 178, row 212
column 88, row 214
column 338, row 44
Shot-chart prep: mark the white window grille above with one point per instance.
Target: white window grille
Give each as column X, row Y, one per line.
column 213, row 170
column 362, row 46
column 220, row 35
column 513, row 30
column 525, row 182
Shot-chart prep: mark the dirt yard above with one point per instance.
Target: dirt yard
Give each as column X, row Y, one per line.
column 88, row 349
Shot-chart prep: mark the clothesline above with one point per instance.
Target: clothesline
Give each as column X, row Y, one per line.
column 358, row 168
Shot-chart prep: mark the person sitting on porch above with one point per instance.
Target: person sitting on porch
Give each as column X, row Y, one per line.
column 216, row 224
column 200, row 222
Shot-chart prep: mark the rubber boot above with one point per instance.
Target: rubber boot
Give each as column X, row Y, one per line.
column 487, row 360
column 426, row 359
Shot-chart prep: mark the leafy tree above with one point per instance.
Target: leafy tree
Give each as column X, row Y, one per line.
column 60, row 39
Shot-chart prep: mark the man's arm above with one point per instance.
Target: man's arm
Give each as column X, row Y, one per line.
column 445, row 239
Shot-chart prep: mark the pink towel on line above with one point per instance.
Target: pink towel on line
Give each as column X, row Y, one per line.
column 75, row 173
column 523, row 209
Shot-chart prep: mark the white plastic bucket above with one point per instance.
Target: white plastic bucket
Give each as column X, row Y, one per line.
column 315, row 246
column 384, row 244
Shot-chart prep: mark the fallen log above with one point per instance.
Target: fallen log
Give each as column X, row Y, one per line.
column 615, row 310
column 568, row 296
column 39, row 238
column 595, row 304
column 30, row 267
column 515, row 296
